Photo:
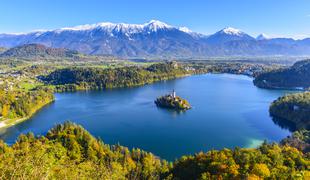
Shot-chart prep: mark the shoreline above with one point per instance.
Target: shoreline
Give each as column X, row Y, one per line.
column 4, row 124
column 11, row 122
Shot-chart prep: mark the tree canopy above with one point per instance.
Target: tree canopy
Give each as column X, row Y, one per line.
column 68, row 151
column 292, row 111
column 296, row 76
column 72, row 79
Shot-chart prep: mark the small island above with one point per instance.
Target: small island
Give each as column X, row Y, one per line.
column 172, row 101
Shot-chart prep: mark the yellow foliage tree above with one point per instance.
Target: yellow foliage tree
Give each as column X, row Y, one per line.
column 261, row 170
column 5, row 110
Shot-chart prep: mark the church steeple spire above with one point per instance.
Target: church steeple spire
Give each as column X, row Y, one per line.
column 173, row 93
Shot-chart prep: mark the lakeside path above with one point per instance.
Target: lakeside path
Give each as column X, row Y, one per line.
column 2, row 124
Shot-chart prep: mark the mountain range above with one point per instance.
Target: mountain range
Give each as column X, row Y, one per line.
column 157, row 39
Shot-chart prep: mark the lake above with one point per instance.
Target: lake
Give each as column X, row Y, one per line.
column 228, row 111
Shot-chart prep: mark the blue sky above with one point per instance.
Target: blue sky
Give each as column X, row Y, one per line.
column 289, row 18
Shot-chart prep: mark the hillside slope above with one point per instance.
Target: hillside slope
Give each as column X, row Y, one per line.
column 37, row 50
column 292, row 111
column 294, row 77
column 69, row 152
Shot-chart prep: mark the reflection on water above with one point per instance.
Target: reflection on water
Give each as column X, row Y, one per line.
column 285, row 124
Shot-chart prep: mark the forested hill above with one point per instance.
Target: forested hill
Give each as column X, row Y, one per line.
column 292, row 111
column 71, row 79
column 69, row 152
column 296, row 76
column 299, row 139
column 37, row 51
column 16, row 103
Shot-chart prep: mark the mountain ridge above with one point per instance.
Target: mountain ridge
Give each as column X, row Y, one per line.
column 156, row 39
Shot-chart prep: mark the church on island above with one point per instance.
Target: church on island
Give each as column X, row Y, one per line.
column 172, row 101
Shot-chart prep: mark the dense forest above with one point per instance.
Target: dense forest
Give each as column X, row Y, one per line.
column 299, row 139
column 292, row 111
column 296, row 76
column 19, row 103
column 34, row 51
column 72, row 79
column 68, row 151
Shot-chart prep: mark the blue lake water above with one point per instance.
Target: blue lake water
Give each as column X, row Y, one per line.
column 228, row 111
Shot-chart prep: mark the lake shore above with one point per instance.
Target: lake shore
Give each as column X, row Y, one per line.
column 132, row 112
column 11, row 122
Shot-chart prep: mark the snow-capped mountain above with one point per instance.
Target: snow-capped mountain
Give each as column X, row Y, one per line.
column 228, row 34
column 152, row 26
column 185, row 29
column 231, row 31
column 262, row 37
column 156, row 39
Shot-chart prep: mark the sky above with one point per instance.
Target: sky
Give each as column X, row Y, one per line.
column 276, row 18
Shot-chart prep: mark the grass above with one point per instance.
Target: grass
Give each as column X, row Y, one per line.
column 28, row 86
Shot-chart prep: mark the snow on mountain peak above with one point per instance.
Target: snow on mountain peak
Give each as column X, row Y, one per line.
column 158, row 23
column 155, row 25
column 78, row 28
column 185, row 29
column 231, row 31
column 262, row 37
